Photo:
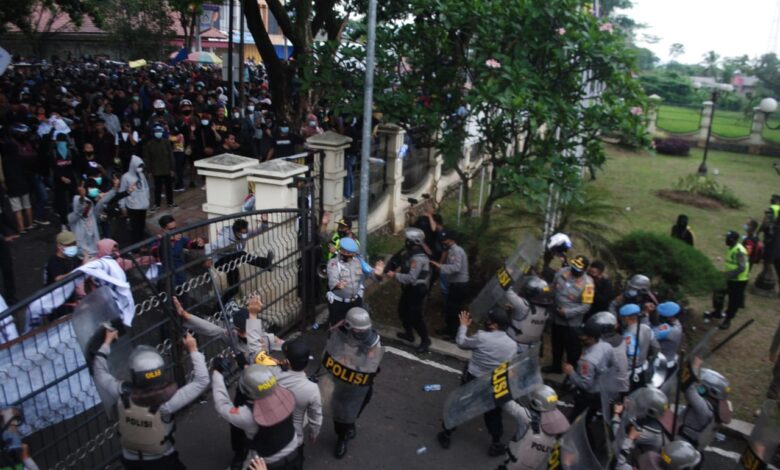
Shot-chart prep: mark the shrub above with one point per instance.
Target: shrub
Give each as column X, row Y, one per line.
column 677, row 268
column 707, row 186
column 676, row 147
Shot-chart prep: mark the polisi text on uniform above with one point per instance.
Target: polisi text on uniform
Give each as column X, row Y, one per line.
column 141, row 423
column 541, row 447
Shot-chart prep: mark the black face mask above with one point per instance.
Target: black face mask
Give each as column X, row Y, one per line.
column 159, row 112
column 577, row 273
column 342, row 233
column 345, row 258
column 409, row 244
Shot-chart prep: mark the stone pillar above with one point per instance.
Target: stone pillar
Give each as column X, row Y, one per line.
column 394, row 140
column 706, row 118
column 652, row 114
column 273, row 184
column 333, row 144
column 757, row 128
column 226, row 183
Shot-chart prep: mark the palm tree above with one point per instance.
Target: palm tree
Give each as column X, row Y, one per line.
column 710, row 64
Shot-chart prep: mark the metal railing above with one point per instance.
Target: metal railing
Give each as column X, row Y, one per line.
column 43, row 373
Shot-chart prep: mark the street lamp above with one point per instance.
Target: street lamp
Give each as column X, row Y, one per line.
column 717, row 88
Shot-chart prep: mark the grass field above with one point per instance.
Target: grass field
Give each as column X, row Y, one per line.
column 630, row 181
column 678, row 120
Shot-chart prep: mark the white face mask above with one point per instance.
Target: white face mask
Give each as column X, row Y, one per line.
column 70, row 251
column 236, row 115
column 244, row 236
column 204, row 122
column 251, row 109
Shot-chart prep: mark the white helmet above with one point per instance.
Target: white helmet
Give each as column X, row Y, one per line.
column 158, row 104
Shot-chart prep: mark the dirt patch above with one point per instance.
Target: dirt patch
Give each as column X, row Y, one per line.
column 690, row 199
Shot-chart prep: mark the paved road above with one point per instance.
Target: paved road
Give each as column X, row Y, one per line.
column 400, row 419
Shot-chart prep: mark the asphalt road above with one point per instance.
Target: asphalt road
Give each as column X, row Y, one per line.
column 400, row 420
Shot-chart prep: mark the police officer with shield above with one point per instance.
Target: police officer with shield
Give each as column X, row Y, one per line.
column 266, row 417
column 707, row 406
column 413, row 276
column 352, row 357
column 675, row 455
column 639, row 429
column 539, row 424
column 147, row 405
column 528, row 312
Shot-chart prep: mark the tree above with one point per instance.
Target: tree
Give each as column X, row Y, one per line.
column 20, row 12
column 676, row 50
column 710, row 63
column 139, row 28
column 645, row 58
column 767, row 69
column 188, row 13
column 732, row 66
column 41, row 26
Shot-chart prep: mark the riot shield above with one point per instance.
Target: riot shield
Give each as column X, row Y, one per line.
column 576, row 452
column 508, row 381
column 764, row 439
column 352, row 366
column 92, row 312
column 526, row 255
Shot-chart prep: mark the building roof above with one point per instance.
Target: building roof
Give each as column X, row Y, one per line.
column 60, row 23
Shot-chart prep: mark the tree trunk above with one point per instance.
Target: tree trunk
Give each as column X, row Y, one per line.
column 464, row 181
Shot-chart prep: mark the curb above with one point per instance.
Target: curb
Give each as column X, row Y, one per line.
column 446, row 348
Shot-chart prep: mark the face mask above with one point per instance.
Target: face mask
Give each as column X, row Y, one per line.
column 159, row 112
column 89, row 155
column 158, row 135
column 409, row 245
column 251, row 109
column 346, row 258
column 140, row 168
column 236, row 115
column 93, row 192
column 361, row 335
column 204, row 122
column 70, row 251
column 745, row 227
column 125, row 135
column 312, row 123
column 62, row 149
column 99, row 180
column 284, row 130
column 342, row 233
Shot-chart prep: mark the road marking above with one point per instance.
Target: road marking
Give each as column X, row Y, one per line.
column 427, row 362
column 728, row 454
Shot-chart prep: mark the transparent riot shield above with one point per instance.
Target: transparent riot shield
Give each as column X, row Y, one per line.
column 508, row 381
column 576, row 452
column 526, row 255
column 764, row 440
column 95, row 310
column 352, row 366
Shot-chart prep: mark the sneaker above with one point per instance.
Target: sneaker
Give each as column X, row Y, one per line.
column 153, row 209
column 726, row 324
column 41, row 222
column 423, row 347
column 172, row 206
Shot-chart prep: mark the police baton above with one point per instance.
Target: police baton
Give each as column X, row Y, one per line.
column 730, row 337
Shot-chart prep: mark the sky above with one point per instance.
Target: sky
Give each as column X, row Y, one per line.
column 730, row 28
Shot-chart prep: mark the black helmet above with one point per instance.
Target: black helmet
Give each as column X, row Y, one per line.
column 498, row 316
column 536, row 290
column 732, row 237
column 600, row 323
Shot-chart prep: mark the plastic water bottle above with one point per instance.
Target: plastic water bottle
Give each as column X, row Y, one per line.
column 720, row 437
column 422, row 450
column 432, row 387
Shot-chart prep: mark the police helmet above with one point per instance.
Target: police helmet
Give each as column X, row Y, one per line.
column 414, row 235
column 358, row 319
column 650, row 402
column 349, row 245
column 680, row 455
column 498, row 316
column 629, row 310
column 147, row 368
column 579, row 263
column 257, row 381
column 536, row 290
column 714, row 384
column 542, row 397
column 668, row 309
column 600, row 323
column 640, row 283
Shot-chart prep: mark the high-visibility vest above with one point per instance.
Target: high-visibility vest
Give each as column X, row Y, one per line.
column 732, row 264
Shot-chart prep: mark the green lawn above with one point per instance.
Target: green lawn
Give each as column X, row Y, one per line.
column 678, row 120
column 632, row 180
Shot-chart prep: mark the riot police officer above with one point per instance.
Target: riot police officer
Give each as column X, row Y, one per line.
column 669, row 334
column 146, row 407
column 638, row 291
column 266, row 417
column 352, row 357
column 641, row 346
column 639, row 429
column 345, row 281
column 675, row 455
column 539, row 424
column 456, row 268
column 707, row 407
column 528, row 312
column 413, row 277
column 609, row 333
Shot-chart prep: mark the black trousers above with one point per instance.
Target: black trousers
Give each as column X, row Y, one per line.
column 233, row 275
column 453, row 304
column 159, row 181
column 342, row 429
column 410, row 310
column 62, row 198
column 169, row 462
column 735, row 292
column 777, row 270
column 137, row 224
column 565, row 337
column 180, row 160
column 494, row 422
column 337, row 311
column 7, row 270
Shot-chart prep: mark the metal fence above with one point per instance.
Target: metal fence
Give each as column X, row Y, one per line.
column 44, row 375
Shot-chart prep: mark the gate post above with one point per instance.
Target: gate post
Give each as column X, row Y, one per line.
column 333, row 145
column 394, row 136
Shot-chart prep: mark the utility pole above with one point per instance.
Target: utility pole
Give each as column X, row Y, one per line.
column 241, row 60
column 368, row 100
column 230, row 56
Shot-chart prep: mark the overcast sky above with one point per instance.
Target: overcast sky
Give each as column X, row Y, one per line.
column 730, row 28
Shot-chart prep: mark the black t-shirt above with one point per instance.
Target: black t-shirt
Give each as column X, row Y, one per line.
column 284, row 145
column 57, row 266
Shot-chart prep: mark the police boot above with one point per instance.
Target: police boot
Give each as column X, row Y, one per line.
column 423, row 347
column 341, row 448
